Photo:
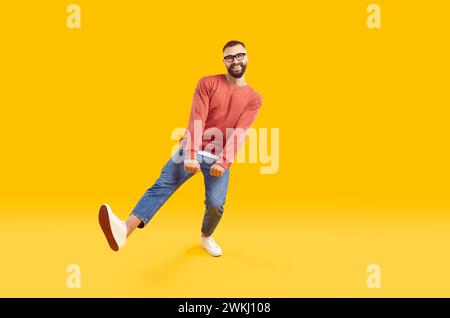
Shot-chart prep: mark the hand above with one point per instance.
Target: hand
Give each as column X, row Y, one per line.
column 191, row 166
column 216, row 170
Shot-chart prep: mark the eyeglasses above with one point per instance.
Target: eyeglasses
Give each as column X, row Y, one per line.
column 230, row 58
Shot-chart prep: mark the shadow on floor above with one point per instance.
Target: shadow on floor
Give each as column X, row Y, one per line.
column 174, row 269
column 170, row 268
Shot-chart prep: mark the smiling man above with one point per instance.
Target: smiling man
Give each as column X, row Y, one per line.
column 223, row 106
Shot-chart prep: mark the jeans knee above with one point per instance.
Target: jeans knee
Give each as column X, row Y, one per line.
column 213, row 215
column 164, row 182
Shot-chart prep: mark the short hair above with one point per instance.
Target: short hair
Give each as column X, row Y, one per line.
column 233, row 43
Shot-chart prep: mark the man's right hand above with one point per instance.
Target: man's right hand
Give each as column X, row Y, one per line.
column 191, row 166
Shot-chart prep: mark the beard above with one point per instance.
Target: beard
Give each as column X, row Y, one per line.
column 237, row 74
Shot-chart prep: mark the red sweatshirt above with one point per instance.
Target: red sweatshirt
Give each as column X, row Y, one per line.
column 230, row 109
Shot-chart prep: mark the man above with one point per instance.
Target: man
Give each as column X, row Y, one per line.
column 223, row 105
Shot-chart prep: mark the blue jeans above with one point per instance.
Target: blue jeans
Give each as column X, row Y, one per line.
column 171, row 178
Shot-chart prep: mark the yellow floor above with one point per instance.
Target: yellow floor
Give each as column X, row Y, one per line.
column 267, row 253
column 361, row 174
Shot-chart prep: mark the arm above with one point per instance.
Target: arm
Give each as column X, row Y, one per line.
column 237, row 138
column 197, row 119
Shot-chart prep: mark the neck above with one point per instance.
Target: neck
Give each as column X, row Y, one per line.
column 236, row 81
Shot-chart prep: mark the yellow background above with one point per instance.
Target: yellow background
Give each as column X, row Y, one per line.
column 86, row 117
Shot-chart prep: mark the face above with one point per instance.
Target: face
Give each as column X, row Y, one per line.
column 235, row 60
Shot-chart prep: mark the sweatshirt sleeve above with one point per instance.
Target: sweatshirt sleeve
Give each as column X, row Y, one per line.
column 237, row 138
column 199, row 112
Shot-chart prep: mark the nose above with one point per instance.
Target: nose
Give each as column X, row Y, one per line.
column 237, row 62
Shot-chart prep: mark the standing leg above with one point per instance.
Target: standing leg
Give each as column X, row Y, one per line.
column 215, row 194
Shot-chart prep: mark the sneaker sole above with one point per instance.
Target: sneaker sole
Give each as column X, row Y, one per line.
column 213, row 255
column 103, row 219
column 206, row 250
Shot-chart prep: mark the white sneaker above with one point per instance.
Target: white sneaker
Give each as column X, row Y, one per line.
column 114, row 229
column 210, row 246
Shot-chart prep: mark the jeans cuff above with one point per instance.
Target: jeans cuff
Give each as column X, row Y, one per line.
column 143, row 223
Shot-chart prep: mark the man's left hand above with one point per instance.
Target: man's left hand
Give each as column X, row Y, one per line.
column 216, row 170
